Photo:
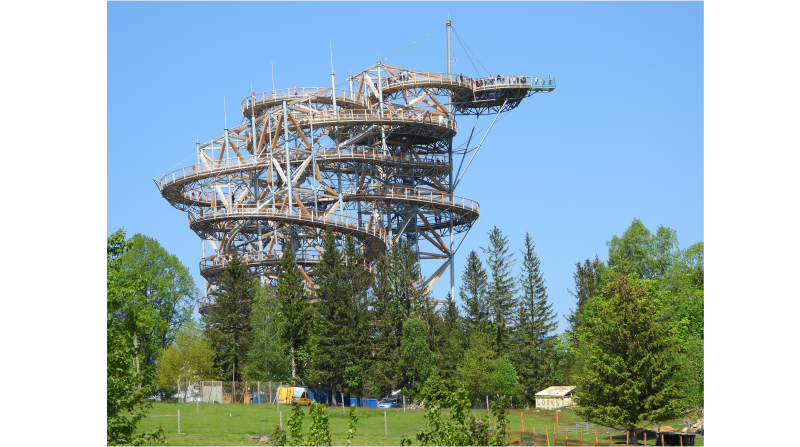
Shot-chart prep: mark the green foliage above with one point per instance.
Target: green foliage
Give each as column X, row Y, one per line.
column 631, row 371
column 320, row 432
column 351, row 425
column 504, row 381
column 461, row 428
column 189, row 359
column 395, row 299
column 404, row 441
column 452, row 341
column 501, row 289
column 502, row 423
column 434, row 390
column 297, row 312
column 278, row 436
column 342, row 331
column 534, row 337
column 126, row 389
column 267, row 357
column 647, row 255
column 418, row 361
column 585, row 278
column 295, row 424
column 477, row 367
column 168, row 289
column 227, row 325
column 473, row 293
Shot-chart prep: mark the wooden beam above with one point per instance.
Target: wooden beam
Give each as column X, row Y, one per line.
column 435, row 244
column 305, row 276
column 328, row 213
column 430, row 228
column 360, row 86
column 436, row 275
column 299, row 130
column 277, row 128
column 279, row 169
column 300, row 204
column 300, row 170
column 236, row 149
column 224, row 198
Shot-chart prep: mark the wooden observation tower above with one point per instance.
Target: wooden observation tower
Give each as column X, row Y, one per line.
column 372, row 158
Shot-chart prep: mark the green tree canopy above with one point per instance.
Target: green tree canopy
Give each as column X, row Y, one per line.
column 227, row 324
column 168, row 289
column 535, row 334
column 297, row 312
column 267, row 357
column 126, row 315
column 418, row 361
column 501, row 290
column 631, row 371
column 189, row 359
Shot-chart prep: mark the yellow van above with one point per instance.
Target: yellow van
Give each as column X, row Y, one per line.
column 293, row 395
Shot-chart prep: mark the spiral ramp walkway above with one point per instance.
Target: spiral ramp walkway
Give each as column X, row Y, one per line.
column 374, row 161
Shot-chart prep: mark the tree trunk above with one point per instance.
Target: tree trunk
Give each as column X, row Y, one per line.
column 633, row 440
column 294, row 367
column 136, row 359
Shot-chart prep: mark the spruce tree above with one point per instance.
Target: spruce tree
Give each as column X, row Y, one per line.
column 501, row 289
column 297, row 312
column 535, row 339
column 342, row 331
column 397, row 296
column 473, row 294
column 632, row 372
column 227, row 324
column 452, row 345
column 585, row 277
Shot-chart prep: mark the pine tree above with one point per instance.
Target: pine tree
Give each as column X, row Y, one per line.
column 296, row 310
column 631, row 373
column 473, row 294
column 535, row 337
column 227, row 325
column 501, row 289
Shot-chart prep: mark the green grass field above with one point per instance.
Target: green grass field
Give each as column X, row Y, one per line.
column 230, row 424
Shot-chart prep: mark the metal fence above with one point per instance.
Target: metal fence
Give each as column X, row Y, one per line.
column 225, row 392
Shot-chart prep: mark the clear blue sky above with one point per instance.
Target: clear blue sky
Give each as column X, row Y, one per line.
column 620, row 138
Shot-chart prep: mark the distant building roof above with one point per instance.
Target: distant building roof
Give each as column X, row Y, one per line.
column 556, row 391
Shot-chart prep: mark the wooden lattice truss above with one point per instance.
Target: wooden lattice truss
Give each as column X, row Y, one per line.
column 374, row 162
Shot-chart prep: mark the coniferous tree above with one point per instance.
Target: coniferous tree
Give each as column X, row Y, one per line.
column 227, row 325
column 535, row 338
column 451, row 347
column 297, row 312
column 473, row 294
column 501, row 289
column 631, row 371
column 585, row 277
column 397, row 296
column 342, row 329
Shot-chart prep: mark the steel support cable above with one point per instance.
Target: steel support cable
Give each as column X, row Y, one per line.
column 412, row 43
column 470, row 49
column 467, row 53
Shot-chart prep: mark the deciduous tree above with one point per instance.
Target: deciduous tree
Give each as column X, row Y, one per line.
column 126, row 386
